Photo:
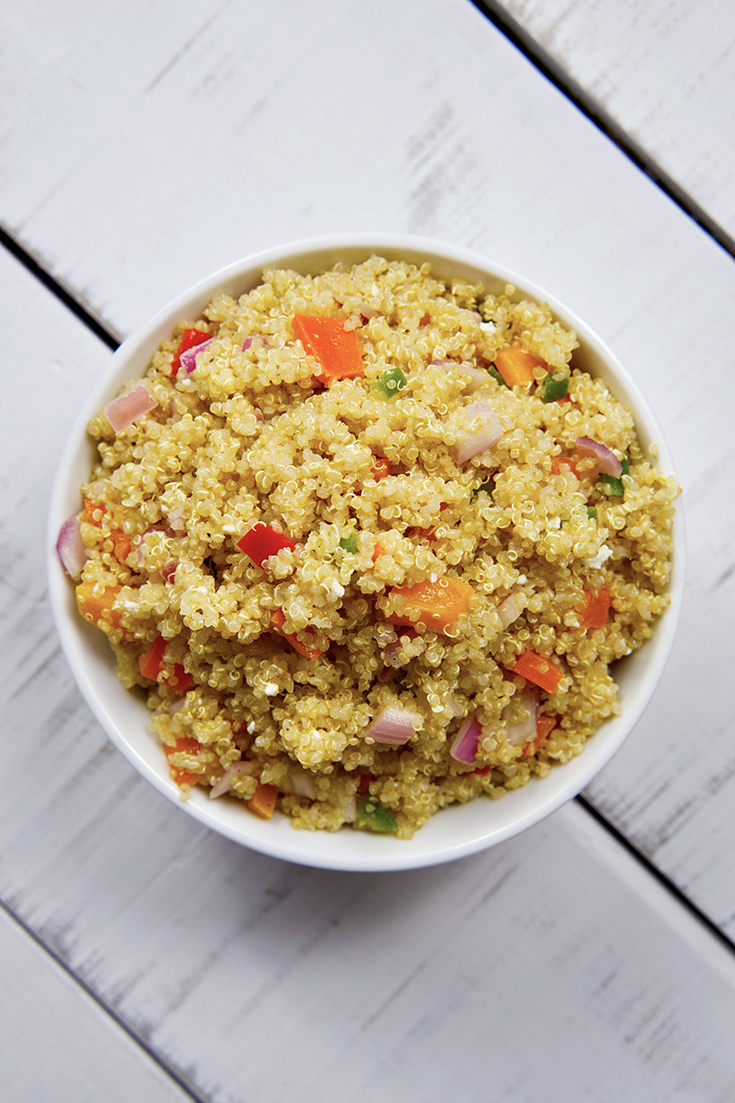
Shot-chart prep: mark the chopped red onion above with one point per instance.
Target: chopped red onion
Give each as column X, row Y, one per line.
column 464, row 744
column 256, row 337
column 522, row 730
column 394, row 726
column 70, row 547
column 141, row 544
column 177, row 705
column 508, row 610
column 607, row 461
column 224, row 784
column 168, row 572
column 476, row 377
column 176, row 519
column 482, row 439
column 188, row 358
column 128, row 407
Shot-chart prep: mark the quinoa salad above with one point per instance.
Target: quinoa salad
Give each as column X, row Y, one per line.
column 370, row 544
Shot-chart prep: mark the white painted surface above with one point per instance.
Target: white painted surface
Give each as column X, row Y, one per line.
column 553, row 952
column 664, row 70
column 57, row 1044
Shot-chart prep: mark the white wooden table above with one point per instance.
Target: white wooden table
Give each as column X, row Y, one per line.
column 143, row 145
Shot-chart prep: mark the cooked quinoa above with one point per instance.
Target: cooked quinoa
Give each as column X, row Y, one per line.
column 334, row 603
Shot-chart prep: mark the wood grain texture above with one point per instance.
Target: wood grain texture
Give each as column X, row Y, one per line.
column 144, row 146
column 57, row 1044
column 663, row 70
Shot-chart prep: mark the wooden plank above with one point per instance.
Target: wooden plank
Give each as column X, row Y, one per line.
column 57, row 1044
column 664, row 71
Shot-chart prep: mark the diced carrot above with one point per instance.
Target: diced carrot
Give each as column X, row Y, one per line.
column 96, row 606
column 378, row 550
column 539, row 670
column 595, row 609
column 263, row 801
column 262, row 541
column 381, row 468
column 516, row 365
column 559, row 462
column 336, row 348
column 185, row 745
column 278, row 619
column 436, row 604
column 544, row 728
column 189, row 338
column 364, row 783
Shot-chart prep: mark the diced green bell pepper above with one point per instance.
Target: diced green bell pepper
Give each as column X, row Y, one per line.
column 390, row 383
column 554, row 389
column 372, row 814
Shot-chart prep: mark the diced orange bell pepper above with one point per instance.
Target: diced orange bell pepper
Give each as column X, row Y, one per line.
column 378, row 550
column 516, row 365
column 336, row 348
column 438, row 604
column 544, row 728
column 185, row 745
column 278, row 619
column 150, row 662
column 539, row 670
column 263, row 801
column 559, row 462
column 595, row 609
column 97, row 606
column 90, row 508
column 120, row 544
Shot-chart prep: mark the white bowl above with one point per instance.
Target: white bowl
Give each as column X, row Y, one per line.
column 455, row 831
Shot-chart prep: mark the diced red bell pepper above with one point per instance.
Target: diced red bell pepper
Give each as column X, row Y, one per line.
column 189, row 338
column 261, row 542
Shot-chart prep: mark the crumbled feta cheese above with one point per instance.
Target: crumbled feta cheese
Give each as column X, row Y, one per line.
column 597, row 561
column 270, row 689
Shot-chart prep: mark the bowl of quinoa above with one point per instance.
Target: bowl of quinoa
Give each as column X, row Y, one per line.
column 363, row 552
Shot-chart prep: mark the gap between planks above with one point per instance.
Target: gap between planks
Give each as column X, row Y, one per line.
column 548, row 67
column 152, row 1053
